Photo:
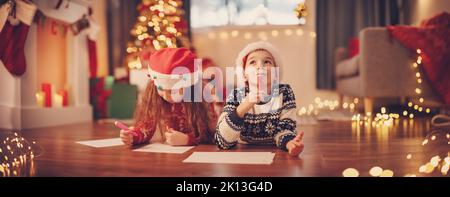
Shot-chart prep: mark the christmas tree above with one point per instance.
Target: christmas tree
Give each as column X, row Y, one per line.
column 160, row 24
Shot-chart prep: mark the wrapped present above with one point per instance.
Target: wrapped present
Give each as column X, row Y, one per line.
column 100, row 90
column 122, row 102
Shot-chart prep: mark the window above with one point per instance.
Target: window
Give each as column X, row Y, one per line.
column 208, row 13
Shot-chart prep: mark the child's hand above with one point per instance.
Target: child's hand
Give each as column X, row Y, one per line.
column 249, row 101
column 176, row 138
column 254, row 97
column 295, row 146
column 127, row 136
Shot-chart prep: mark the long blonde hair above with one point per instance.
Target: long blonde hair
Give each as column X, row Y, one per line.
column 152, row 110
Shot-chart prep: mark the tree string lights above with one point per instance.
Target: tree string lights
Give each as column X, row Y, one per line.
column 160, row 25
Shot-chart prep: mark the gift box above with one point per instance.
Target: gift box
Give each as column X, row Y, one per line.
column 99, row 92
column 122, row 103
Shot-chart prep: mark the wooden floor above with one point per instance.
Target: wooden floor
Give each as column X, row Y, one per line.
column 330, row 148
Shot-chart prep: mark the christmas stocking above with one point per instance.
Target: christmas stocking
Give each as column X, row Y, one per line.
column 13, row 36
column 92, row 47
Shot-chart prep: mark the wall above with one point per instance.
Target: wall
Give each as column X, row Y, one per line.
column 423, row 9
column 99, row 9
column 51, row 54
column 297, row 45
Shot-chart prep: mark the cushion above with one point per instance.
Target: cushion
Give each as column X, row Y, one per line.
column 348, row 68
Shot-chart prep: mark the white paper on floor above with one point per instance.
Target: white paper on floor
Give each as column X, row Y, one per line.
column 261, row 158
column 102, row 143
column 163, row 148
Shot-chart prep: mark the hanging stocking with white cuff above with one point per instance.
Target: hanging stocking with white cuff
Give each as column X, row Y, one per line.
column 14, row 34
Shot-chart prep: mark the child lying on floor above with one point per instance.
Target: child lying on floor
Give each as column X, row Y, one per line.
column 256, row 116
column 163, row 117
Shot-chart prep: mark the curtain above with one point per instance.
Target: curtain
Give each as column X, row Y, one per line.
column 121, row 18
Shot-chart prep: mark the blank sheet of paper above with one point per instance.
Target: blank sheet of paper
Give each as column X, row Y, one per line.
column 102, row 143
column 258, row 158
column 163, row 148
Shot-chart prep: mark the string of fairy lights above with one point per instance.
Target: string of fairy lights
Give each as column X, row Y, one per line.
column 438, row 163
column 414, row 106
column 17, row 155
column 418, row 90
column 261, row 35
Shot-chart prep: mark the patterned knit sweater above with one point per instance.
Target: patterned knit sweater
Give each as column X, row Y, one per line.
column 273, row 122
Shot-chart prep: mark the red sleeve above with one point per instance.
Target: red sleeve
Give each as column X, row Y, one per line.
column 142, row 136
column 192, row 140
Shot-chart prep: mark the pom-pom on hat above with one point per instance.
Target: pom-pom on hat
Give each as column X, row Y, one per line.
column 172, row 68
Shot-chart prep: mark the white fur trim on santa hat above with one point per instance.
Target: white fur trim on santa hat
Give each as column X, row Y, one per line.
column 255, row 46
column 25, row 11
column 176, row 81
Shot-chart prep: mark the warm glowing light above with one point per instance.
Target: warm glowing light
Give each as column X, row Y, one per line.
column 317, row 100
column 418, row 90
column 275, row 33
column 142, row 18
column 408, row 156
column 444, row 169
column 375, row 171
column 223, row 35
column 387, row 173
column 345, row 105
column 248, row 35
column 405, row 113
column 350, row 172
column 234, row 33
column 352, row 106
column 288, row 32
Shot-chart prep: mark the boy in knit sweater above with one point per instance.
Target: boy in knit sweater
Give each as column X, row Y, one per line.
column 264, row 111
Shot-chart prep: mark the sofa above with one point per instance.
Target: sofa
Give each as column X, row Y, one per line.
column 381, row 69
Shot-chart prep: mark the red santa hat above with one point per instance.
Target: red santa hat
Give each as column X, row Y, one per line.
column 240, row 60
column 173, row 68
column 260, row 45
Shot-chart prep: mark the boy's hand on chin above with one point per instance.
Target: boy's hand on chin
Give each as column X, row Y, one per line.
column 255, row 97
column 176, row 138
